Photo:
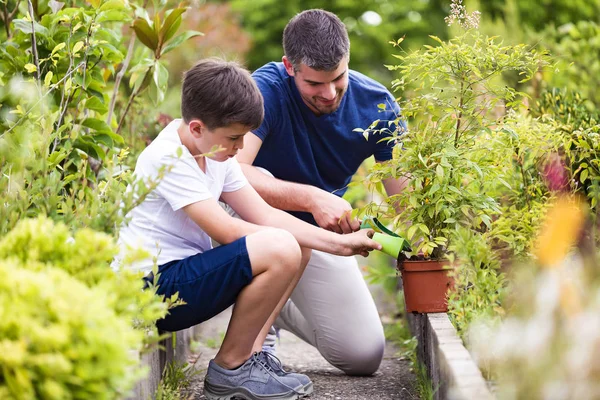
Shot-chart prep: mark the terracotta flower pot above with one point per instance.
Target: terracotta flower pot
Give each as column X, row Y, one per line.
column 426, row 284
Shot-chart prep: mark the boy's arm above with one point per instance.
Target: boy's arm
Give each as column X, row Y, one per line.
column 217, row 223
column 252, row 208
column 329, row 211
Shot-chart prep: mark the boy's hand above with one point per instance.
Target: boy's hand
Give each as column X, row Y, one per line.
column 359, row 242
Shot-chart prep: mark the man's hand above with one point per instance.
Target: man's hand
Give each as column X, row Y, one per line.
column 333, row 213
column 360, row 242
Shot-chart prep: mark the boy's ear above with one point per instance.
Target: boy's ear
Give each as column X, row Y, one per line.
column 196, row 126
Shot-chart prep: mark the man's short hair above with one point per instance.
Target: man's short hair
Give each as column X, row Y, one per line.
column 317, row 39
column 220, row 94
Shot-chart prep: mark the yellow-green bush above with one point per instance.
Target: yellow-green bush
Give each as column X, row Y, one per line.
column 86, row 255
column 67, row 320
column 60, row 340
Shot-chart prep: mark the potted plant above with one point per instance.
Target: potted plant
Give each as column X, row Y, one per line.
column 455, row 101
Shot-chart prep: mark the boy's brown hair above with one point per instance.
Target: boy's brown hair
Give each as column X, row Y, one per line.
column 221, row 93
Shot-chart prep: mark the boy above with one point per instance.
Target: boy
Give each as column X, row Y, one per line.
column 257, row 266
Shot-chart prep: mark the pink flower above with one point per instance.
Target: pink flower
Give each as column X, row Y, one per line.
column 555, row 174
column 163, row 119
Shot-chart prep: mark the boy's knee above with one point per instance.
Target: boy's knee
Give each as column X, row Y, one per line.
column 281, row 246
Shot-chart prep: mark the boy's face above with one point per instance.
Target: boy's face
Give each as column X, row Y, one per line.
column 229, row 138
column 321, row 91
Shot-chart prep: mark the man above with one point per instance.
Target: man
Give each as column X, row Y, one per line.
column 313, row 102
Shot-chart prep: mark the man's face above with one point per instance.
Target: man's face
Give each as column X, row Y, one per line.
column 322, row 91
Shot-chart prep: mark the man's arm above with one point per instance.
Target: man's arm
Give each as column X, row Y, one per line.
column 252, row 208
column 330, row 211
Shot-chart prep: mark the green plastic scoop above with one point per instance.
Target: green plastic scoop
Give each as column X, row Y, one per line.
column 392, row 243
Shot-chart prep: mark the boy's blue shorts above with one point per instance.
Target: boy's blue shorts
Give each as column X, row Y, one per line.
column 208, row 283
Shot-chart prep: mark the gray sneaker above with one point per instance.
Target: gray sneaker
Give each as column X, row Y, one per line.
column 254, row 380
column 275, row 364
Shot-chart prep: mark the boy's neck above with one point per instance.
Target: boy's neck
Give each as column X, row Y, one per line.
column 187, row 140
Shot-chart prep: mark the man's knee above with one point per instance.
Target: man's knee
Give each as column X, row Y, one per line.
column 358, row 353
column 363, row 359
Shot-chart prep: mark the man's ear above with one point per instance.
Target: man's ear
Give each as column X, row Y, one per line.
column 288, row 66
column 196, row 128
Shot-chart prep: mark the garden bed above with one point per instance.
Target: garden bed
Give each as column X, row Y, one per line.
column 172, row 350
column 452, row 371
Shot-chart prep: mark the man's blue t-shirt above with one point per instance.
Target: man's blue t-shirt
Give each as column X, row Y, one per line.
column 322, row 151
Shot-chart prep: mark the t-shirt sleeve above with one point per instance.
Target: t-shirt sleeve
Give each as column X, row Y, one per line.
column 234, row 178
column 383, row 149
column 272, row 99
column 181, row 184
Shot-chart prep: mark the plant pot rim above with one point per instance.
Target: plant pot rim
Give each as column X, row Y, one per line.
column 424, row 265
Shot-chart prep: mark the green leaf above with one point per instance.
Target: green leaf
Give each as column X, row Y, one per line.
column 434, row 188
column 112, row 15
column 96, row 124
column 94, row 103
column 90, row 148
column 502, row 181
column 59, row 47
column 437, row 39
column 179, row 39
column 439, row 171
column 423, row 161
column 76, row 47
column 161, row 79
column 454, row 189
column 584, row 175
column 113, row 5
column 411, row 231
column 145, row 33
column 25, row 27
column 48, row 78
column 114, row 137
column 170, row 25
column 30, row 68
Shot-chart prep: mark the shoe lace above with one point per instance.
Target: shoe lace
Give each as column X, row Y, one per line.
column 273, row 362
column 256, row 361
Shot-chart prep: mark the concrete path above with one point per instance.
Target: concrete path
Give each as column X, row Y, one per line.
column 394, row 380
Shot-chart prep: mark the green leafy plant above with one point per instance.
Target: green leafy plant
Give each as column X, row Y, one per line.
column 478, row 282
column 575, row 44
column 549, row 334
column 579, row 124
column 457, row 105
column 60, row 95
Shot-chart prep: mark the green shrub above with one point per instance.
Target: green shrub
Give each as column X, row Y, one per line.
column 60, row 340
column 86, row 255
column 478, row 282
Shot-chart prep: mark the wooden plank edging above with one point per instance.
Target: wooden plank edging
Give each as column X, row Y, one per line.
column 156, row 360
column 453, row 373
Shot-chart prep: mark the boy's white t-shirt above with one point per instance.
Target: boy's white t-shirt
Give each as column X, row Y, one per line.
column 159, row 225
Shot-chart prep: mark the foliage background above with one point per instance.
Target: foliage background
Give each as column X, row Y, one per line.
column 71, row 125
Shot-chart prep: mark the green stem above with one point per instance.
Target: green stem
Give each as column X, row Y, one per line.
column 130, row 101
